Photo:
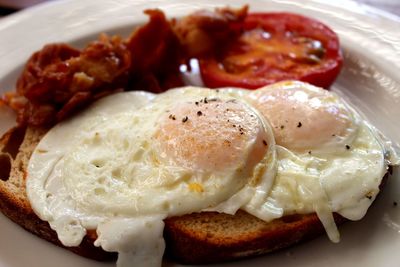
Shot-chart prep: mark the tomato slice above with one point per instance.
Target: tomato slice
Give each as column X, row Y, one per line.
column 275, row 47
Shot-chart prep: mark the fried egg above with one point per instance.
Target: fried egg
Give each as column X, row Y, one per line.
column 133, row 159
column 329, row 158
column 125, row 171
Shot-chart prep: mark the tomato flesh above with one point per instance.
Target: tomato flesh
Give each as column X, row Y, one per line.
column 276, row 47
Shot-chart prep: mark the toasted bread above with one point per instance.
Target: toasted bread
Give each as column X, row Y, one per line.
column 192, row 239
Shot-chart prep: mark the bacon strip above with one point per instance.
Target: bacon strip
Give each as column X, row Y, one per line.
column 205, row 32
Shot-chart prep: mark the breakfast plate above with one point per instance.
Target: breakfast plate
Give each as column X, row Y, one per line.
column 369, row 80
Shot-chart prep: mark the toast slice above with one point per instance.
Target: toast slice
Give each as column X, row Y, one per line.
column 197, row 238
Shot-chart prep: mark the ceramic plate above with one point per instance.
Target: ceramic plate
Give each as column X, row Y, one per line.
column 370, row 80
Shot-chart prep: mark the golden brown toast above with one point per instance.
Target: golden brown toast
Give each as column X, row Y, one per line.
column 216, row 237
column 193, row 239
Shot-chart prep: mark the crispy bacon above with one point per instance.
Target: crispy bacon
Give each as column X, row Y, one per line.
column 46, row 73
column 106, row 62
column 58, row 80
column 206, row 31
column 156, row 55
column 13, row 100
column 153, row 46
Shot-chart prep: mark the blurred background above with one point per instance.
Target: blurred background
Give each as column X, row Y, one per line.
column 10, row 6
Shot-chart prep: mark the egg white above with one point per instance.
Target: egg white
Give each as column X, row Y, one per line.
column 102, row 170
column 342, row 175
column 109, row 173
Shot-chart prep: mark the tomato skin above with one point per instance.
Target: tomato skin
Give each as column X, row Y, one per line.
column 321, row 74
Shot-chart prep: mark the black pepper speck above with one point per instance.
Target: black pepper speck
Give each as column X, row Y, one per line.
column 264, row 142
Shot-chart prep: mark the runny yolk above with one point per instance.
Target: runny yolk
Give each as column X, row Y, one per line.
column 303, row 119
column 212, row 135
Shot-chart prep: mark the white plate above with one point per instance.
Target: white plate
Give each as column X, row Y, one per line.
column 371, row 44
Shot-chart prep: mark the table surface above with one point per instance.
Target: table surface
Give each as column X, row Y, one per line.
column 10, row 6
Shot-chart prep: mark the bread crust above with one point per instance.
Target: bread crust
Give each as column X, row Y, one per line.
column 197, row 238
column 248, row 236
column 22, row 214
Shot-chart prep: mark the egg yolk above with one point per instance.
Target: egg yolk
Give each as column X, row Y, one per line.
column 212, row 135
column 303, row 118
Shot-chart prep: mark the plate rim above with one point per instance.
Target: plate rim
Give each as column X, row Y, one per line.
column 24, row 16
